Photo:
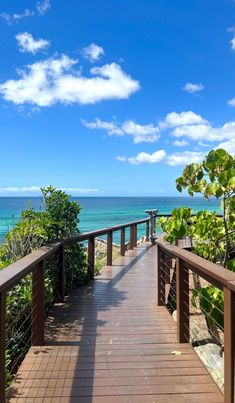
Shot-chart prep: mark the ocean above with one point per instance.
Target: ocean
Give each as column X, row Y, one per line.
column 100, row 212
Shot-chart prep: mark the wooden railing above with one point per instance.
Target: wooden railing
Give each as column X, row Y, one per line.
column 176, row 262
column 34, row 264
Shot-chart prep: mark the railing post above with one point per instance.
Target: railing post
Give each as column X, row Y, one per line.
column 161, row 279
column 147, row 231
column 2, row 346
column 123, row 241
column 61, row 272
column 91, row 257
column 182, row 304
column 110, row 248
column 131, row 237
column 37, row 335
column 229, row 334
column 135, row 235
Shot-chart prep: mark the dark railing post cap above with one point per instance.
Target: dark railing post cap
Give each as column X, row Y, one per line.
column 151, row 212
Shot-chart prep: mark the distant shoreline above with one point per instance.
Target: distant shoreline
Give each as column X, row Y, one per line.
column 113, row 197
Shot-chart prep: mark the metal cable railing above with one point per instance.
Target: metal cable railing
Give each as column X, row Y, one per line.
column 42, row 276
column 200, row 296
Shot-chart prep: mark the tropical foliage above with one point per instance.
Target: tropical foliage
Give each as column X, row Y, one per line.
column 211, row 236
column 57, row 219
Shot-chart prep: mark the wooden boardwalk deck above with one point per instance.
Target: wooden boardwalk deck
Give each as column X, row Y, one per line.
column 110, row 343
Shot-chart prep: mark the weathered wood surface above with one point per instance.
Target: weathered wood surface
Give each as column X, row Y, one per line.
column 110, row 343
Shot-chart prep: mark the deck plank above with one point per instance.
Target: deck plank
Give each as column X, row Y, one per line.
column 110, row 343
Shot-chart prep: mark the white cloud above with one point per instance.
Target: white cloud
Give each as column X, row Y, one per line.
column 111, row 127
column 144, row 158
column 140, row 133
column 193, row 88
column 26, row 43
column 93, row 52
column 175, row 159
column 200, row 143
column 175, row 119
column 206, row 132
column 37, row 189
column 10, row 18
column 180, row 143
column 184, row 158
column 121, row 158
column 231, row 102
column 192, row 126
column 47, row 82
column 43, row 6
column 232, row 42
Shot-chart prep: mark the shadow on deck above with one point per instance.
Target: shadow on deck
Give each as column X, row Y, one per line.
column 109, row 342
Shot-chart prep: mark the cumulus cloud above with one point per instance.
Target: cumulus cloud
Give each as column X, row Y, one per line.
column 93, row 52
column 184, row 158
column 206, row 132
column 232, row 42
column 144, row 158
column 43, row 6
column 140, row 133
column 175, row 159
column 37, row 189
column 231, row 102
column 193, row 127
column 15, row 17
column 193, row 88
column 111, row 127
column 27, row 43
column 180, row 143
column 53, row 80
column 184, row 126
column 174, row 119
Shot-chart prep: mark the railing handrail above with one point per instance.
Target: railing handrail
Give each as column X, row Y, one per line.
column 13, row 273
column 217, row 275
column 212, row 272
column 86, row 235
column 193, row 215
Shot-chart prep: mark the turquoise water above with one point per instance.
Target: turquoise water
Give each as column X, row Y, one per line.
column 100, row 212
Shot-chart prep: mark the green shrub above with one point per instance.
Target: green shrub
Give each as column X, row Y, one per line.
column 58, row 219
column 211, row 237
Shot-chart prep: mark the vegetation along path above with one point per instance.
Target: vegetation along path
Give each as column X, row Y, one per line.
column 109, row 342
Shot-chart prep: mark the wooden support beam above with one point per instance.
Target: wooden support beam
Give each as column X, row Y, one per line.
column 161, row 287
column 110, row 248
column 123, row 240
column 91, row 257
column 2, row 345
column 61, row 272
column 229, row 344
column 37, row 332
column 147, row 231
column 182, row 297
column 131, row 237
column 135, row 235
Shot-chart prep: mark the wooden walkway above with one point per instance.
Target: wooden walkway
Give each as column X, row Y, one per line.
column 110, row 343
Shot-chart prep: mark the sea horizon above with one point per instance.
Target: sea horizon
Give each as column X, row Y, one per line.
column 104, row 211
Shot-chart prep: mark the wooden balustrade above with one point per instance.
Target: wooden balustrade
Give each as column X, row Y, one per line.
column 37, row 331
column 34, row 264
column 215, row 275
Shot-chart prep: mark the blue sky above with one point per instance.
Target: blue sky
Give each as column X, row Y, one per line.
column 113, row 97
